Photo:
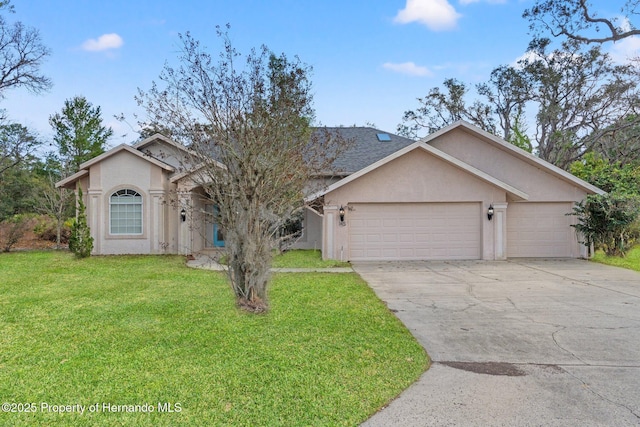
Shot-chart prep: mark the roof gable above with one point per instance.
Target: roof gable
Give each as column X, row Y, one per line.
column 84, row 167
column 515, row 152
column 514, row 192
column 129, row 149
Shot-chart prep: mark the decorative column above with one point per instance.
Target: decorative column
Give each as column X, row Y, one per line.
column 156, row 230
column 184, row 228
column 500, row 230
column 94, row 216
column 330, row 223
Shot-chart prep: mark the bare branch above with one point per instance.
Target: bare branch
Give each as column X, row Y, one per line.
column 576, row 20
column 249, row 127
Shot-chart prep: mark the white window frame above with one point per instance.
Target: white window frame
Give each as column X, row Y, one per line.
column 125, row 193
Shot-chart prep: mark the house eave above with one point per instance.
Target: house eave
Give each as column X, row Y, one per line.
column 177, row 177
column 71, row 180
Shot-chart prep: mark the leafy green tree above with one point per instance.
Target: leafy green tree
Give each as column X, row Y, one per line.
column 79, row 132
column 17, row 145
column 610, row 176
column 18, row 192
column 80, row 241
column 17, row 165
column 609, row 221
column 518, row 135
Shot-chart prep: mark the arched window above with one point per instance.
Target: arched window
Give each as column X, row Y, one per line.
column 125, row 210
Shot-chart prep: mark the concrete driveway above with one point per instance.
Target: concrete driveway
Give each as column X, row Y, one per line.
column 516, row 343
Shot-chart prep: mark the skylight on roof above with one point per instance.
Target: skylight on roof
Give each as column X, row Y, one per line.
column 382, row 137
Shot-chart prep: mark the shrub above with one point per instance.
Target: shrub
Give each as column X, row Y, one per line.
column 46, row 229
column 80, row 241
column 609, row 221
column 12, row 230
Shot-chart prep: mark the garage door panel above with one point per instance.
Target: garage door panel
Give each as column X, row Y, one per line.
column 390, row 238
column 404, row 238
column 539, row 230
column 415, row 231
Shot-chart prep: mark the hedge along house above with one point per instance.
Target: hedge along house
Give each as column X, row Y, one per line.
column 387, row 198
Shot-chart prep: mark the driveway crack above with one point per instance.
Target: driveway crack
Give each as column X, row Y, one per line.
column 557, row 344
column 573, row 280
column 602, row 397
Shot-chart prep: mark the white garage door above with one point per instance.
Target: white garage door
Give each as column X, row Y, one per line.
column 428, row 231
column 539, row 230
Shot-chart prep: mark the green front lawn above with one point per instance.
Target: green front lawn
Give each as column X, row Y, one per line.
column 305, row 259
column 630, row 261
column 147, row 330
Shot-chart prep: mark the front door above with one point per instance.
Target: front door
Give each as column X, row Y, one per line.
column 218, row 238
column 215, row 237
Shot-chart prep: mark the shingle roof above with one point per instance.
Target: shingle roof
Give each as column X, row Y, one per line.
column 365, row 148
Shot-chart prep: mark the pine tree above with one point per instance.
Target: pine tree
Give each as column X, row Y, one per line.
column 80, row 241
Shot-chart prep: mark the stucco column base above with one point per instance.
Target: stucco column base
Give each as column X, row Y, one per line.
column 330, row 223
column 500, row 230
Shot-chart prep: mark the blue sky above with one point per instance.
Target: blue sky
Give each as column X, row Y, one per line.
column 370, row 59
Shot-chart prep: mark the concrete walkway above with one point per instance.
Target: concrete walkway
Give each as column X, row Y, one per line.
column 517, row 343
column 209, row 263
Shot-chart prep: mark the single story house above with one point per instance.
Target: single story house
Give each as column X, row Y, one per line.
column 460, row 193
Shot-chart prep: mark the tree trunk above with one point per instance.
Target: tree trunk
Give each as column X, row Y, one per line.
column 58, row 233
column 249, row 268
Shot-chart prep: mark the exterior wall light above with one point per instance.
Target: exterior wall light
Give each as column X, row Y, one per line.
column 183, row 215
column 490, row 212
column 341, row 212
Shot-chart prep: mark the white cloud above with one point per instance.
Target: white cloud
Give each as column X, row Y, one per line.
column 528, row 56
column 625, row 50
column 408, row 68
column 104, row 42
column 466, row 2
column 438, row 15
column 624, row 23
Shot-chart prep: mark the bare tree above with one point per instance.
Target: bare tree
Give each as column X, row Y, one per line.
column 582, row 101
column 247, row 118
column 507, row 92
column 55, row 201
column 581, row 97
column 439, row 109
column 622, row 143
column 577, row 20
column 21, row 56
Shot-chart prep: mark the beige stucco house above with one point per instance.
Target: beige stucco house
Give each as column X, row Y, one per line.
column 460, row 193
